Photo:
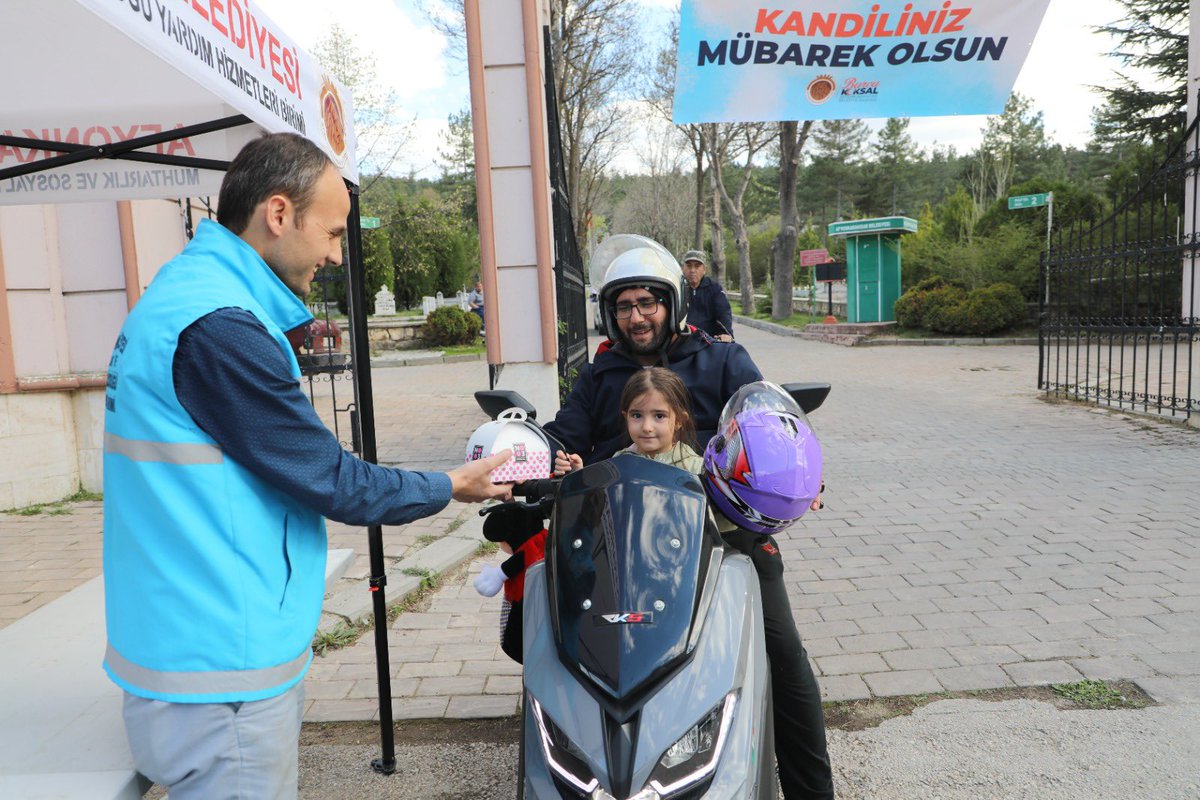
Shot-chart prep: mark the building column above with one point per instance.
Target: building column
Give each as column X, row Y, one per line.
column 508, row 115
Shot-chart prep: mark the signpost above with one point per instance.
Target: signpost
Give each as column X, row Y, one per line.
column 370, row 222
column 1036, row 201
column 810, row 258
column 829, row 273
column 1030, row 200
column 818, row 259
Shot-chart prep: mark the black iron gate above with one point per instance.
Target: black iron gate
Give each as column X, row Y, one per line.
column 325, row 358
column 569, row 275
column 1118, row 312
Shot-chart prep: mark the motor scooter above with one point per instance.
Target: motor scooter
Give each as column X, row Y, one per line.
column 645, row 667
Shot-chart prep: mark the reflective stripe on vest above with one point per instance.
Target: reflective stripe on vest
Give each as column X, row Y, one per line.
column 163, row 452
column 200, row 683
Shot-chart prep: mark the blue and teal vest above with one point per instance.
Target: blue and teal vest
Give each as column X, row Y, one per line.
column 213, row 579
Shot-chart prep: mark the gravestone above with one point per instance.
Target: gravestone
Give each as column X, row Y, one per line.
column 385, row 303
column 428, row 304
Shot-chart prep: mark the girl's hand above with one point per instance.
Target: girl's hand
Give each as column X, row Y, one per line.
column 816, row 504
column 566, row 462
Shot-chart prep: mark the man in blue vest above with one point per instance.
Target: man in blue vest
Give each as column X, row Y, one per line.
column 218, row 475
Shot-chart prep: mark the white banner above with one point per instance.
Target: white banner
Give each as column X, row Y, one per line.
column 847, row 59
column 109, row 179
column 97, row 72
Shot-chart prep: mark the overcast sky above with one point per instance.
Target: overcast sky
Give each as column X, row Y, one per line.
column 413, row 59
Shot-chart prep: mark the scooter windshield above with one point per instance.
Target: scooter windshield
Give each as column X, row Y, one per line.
column 630, row 554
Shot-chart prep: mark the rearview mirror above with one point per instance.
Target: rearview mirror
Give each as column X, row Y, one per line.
column 809, row 396
column 495, row 401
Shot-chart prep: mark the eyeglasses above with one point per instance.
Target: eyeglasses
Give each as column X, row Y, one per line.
column 647, row 306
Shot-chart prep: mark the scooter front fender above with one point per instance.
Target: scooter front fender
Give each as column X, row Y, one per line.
column 730, row 656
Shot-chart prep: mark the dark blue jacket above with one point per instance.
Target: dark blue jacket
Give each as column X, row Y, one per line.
column 232, row 378
column 590, row 422
column 708, row 308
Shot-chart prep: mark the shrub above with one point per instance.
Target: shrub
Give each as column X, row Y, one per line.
column 992, row 308
column 915, row 305
column 450, row 325
column 946, row 307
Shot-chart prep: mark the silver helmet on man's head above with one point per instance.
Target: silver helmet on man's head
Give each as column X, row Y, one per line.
column 627, row 261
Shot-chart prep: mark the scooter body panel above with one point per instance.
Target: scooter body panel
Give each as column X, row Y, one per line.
column 728, row 657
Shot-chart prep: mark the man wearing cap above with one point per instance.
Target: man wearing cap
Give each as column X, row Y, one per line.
column 708, row 308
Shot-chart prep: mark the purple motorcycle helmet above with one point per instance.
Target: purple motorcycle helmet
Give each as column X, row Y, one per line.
column 763, row 468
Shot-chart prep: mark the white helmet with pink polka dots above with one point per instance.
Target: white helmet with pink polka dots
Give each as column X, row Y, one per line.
column 531, row 458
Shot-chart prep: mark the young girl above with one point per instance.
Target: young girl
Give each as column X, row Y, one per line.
column 654, row 404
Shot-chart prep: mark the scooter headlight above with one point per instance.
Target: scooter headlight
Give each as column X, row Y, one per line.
column 694, row 756
column 565, row 758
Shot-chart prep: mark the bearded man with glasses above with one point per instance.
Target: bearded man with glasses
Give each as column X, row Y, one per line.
column 643, row 308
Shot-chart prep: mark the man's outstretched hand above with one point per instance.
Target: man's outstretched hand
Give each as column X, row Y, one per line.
column 472, row 482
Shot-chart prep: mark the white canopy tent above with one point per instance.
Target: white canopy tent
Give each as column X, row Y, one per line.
column 115, row 100
column 168, row 91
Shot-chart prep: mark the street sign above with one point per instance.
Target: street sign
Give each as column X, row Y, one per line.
column 861, row 227
column 369, row 222
column 810, row 257
column 831, row 272
column 1029, row 200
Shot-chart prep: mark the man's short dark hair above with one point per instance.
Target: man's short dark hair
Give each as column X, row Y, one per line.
column 278, row 163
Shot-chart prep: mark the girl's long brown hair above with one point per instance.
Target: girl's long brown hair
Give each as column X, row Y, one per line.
column 668, row 384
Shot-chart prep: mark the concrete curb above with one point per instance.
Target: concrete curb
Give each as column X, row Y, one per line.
column 769, row 327
column 948, row 342
column 421, row 360
column 784, row 330
column 353, row 603
column 336, row 564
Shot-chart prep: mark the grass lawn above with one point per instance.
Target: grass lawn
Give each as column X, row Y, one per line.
column 463, row 349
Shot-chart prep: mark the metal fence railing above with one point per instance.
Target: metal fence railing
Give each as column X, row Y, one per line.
column 569, row 276
column 1118, row 319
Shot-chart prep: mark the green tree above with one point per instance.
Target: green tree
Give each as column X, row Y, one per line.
column 378, row 130
column 837, row 150
column 1152, row 37
column 429, row 247
column 957, row 215
column 889, row 187
column 1014, row 149
column 377, row 262
column 792, row 137
column 457, row 155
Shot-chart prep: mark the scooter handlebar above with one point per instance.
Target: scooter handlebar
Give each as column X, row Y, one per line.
column 536, row 490
column 537, row 494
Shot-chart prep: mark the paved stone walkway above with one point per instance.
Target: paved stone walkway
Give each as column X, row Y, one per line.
column 975, row 536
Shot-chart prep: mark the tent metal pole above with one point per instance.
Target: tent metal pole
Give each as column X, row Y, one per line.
column 149, row 158
column 364, row 400
column 118, row 149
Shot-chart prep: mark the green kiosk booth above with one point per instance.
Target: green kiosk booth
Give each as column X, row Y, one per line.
column 872, row 265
